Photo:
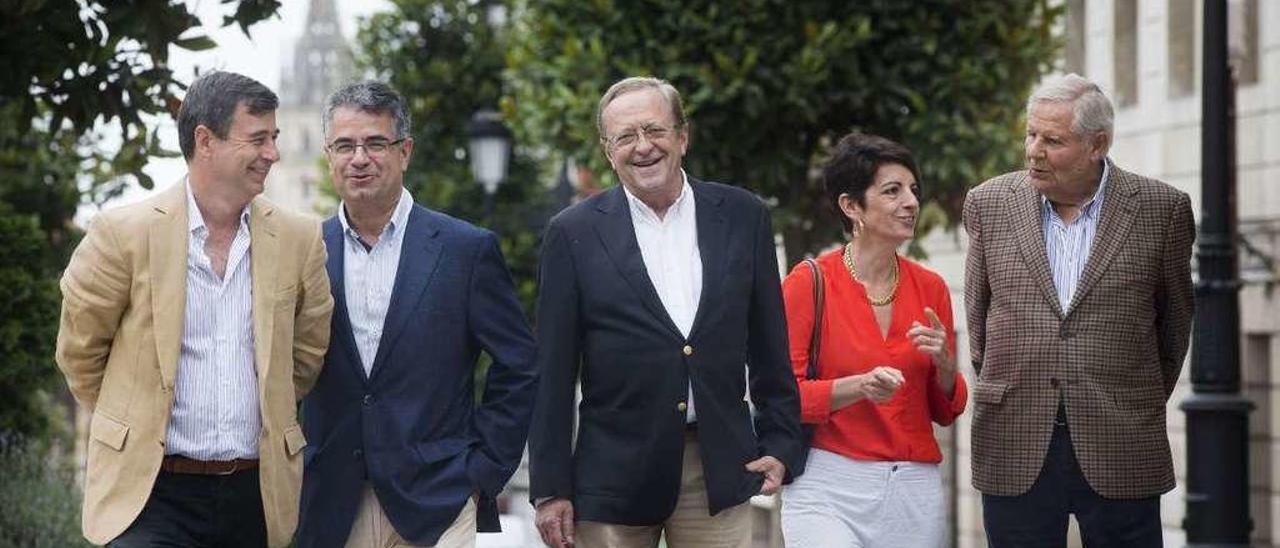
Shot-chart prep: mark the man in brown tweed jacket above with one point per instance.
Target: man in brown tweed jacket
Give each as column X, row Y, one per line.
column 1079, row 301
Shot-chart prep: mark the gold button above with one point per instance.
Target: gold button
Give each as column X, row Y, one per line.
column 682, row 406
column 688, row 350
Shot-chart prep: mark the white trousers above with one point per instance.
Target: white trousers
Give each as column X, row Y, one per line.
column 844, row 503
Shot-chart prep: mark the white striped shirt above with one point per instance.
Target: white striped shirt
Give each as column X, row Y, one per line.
column 669, row 246
column 1068, row 245
column 215, row 413
column 369, row 275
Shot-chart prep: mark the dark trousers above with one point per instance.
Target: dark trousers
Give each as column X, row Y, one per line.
column 189, row 510
column 1038, row 518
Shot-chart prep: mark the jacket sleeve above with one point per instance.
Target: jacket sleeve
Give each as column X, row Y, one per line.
column 311, row 325
column 977, row 289
column 558, row 362
column 496, row 321
column 95, row 293
column 1175, row 302
column 773, row 384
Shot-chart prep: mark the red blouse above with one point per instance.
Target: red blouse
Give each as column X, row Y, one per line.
column 899, row 429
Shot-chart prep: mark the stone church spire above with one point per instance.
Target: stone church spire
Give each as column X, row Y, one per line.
column 321, row 58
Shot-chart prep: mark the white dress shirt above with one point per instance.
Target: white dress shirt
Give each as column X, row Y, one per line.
column 215, row 413
column 369, row 275
column 1068, row 246
column 669, row 246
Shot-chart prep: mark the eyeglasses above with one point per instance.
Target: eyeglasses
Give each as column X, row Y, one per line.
column 372, row 147
column 631, row 137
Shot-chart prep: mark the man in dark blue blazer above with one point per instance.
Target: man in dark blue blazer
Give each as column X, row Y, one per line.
column 397, row 451
column 661, row 297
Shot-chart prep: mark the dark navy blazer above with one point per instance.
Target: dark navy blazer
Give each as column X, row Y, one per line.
column 411, row 428
column 601, row 320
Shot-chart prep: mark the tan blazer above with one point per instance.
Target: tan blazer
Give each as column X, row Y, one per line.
column 123, row 300
column 1113, row 357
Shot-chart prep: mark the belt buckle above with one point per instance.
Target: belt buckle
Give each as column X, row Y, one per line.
column 235, row 466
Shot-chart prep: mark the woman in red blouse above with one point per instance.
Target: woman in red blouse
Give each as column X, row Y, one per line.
column 886, row 370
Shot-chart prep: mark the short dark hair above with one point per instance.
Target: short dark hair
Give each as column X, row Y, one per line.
column 369, row 96
column 853, row 165
column 211, row 102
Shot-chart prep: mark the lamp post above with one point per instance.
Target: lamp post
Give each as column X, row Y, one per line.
column 489, row 146
column 1217, row 415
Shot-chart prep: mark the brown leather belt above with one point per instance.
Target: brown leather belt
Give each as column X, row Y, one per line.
column 178, row 464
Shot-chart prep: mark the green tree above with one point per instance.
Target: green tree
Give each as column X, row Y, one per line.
column 71, row 67
column 447, row 58
column 770, row 84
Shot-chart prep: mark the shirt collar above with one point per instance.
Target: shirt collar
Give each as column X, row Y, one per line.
column 398, row 218
column 195, row 221
column 639, row 207
column 1090, row 208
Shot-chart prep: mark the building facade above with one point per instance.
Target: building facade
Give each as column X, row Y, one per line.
column 1146, row 56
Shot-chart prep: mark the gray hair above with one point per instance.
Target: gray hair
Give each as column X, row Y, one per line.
column 1091, row 110
column 211, row 102
column 372, row 97
column 637, row 83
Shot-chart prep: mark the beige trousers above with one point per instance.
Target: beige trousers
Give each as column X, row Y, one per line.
column 372, row 529
column 689, row 525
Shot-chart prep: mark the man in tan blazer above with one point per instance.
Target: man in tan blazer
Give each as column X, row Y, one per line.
column 192, row 323
column 1079, row 303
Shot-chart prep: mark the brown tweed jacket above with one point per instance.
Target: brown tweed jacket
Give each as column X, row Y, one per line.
column 1113, row 357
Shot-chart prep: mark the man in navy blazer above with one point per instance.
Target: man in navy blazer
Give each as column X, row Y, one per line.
column 661, row 297
column 398, row 453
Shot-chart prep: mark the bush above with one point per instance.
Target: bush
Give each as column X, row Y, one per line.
column 39, row 495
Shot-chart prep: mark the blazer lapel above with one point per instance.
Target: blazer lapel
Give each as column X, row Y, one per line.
column 618, row 237
column 1027, row 224
column 334, row 244
column 167, row 245
column 263, row 250
column 419, row 254
column 713, row 237
column 1119, row 208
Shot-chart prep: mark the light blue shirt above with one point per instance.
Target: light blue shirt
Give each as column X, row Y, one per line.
column 369, row 275
column 1068, row 245
column 215, row 413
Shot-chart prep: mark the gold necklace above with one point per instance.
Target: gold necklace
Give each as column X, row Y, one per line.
column 853, row 271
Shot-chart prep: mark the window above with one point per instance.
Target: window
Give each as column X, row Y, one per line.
column 1242, row 40
column 1182, row 48
column 1125, row 41
column 1075, row 54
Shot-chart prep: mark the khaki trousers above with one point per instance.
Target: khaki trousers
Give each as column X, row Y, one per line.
column 372, row 529
column 689, row 525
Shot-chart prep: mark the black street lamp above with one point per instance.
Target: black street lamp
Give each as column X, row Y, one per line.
column 489, row 146
column 1217, row 415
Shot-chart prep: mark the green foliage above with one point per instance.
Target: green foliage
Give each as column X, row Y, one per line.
column 770, row 84
column 70, row 67
column 447, row 60
column 39, row 495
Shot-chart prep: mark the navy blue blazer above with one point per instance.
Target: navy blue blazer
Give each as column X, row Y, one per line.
column 601, row 320
column 411, row 427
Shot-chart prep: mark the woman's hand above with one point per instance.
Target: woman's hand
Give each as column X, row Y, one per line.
column 879, row 384
column 932, row 340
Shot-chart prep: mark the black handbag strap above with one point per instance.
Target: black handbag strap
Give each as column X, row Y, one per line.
column 815, row 339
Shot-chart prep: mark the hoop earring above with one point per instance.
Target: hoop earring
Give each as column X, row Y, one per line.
column 857, row 227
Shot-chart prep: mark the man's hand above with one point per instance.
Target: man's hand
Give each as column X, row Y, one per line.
column 773, row 471
column 555, row 522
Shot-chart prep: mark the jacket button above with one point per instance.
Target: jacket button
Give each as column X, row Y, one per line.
column 1065, row 333
column 358, row 454
column 688, row 350
column 682, row 407
column 367, row 400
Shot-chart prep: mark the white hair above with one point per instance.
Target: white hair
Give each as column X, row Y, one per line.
column 1091, row 110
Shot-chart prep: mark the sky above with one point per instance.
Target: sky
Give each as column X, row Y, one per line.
column 260, row 57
